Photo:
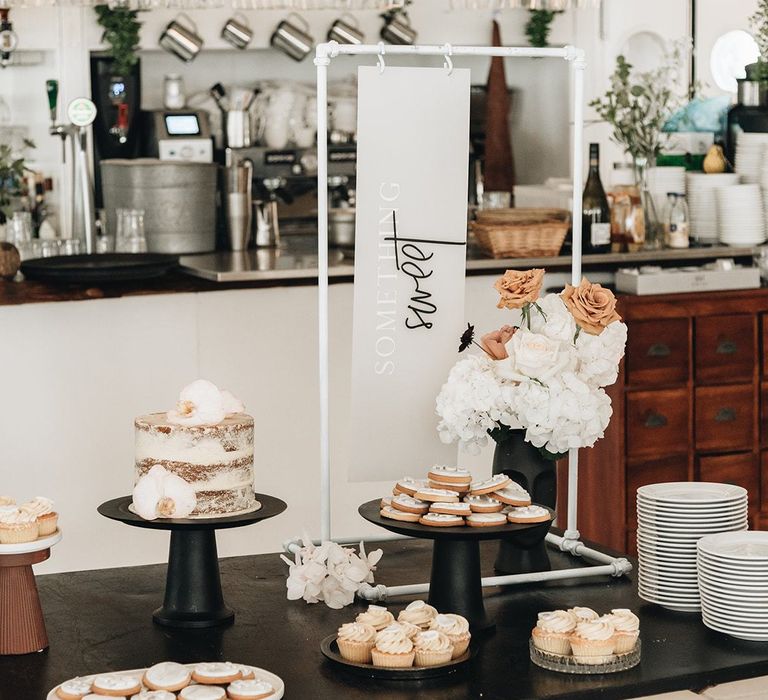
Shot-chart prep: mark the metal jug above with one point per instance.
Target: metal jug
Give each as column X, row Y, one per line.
column 291, row 39
column 180, row 40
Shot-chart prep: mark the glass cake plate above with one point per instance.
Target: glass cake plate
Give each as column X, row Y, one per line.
column 567, row 664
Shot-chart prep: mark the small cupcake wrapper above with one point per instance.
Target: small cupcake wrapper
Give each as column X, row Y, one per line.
column 558, row 644
column 625, row 642
column 460, row 647
column 383, row 660
column 356, row 652
column 432, row 658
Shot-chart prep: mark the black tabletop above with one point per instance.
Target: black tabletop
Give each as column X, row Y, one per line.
column 101, row 621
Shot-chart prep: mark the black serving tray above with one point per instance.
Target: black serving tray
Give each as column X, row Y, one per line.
column 330, row 650
column 101, row 268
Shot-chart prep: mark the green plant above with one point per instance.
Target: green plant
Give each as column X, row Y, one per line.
column 12, row 168
column 638, row 105
column 121, row 32
column 759, row 24
column 538, row 26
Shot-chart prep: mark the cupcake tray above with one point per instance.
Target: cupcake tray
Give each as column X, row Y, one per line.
column 34, row 546
column 330, row 650
column 276, row 681
column 567, row 664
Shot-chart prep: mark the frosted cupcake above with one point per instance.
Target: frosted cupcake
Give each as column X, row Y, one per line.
column 593, row 641
column 355, row 640
column 432, row 648
column 456, row 628
column 17, row 527
column 584, row 614
column 627, row 626
column 410, row 630
column 376, row 616
column 42, row 509
column 418, row 613
column 393, row 649
column 7, row 501
column 553, row 631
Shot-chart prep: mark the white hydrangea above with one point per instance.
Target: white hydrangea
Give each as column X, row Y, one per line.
column 329, row 573
column 470, row 404
column 599, row 355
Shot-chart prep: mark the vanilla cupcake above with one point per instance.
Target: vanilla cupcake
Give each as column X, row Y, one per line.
column 627, row 626
column 553, row 630
column 410, row 630
column 7, row 501
column 456, row 628
column 584, row 614
column 42, row 509
column 393, row 649
column 418, row 613
column 376, row 616
column 17, row 527
column 432, row 648
column 355, row 640
column 593, row 641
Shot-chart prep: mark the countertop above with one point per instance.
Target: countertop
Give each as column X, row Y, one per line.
column 295, row 263
column 101, row 621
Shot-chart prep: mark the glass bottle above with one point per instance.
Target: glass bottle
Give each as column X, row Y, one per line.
column 676, row 225
column 595, row 212
column 653, row 230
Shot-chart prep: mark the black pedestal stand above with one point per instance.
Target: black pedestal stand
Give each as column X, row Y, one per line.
column 455, row 584
column 193, row 596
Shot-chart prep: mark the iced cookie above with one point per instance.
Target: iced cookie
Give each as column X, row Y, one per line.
column 441, row 520
column 486, row 519
column 496, row 482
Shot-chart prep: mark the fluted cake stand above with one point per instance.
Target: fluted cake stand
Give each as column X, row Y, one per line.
column 455, row 583
column 22, row 627
column 193, row 596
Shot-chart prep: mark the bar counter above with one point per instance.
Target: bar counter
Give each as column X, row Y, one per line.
column 101, row 621
column 296, row 264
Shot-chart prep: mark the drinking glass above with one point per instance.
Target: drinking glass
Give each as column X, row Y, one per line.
column 496, row 200
column 19, row 228
column 130, row 231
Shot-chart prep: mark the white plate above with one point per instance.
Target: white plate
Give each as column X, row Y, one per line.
column 688, row 597
column 739, row 635
column 274, row 680
column 663, row 531
column 743, row 611
column 686, row 548
column 744, row 625
column 693, row 492
column 751, row 545
column 732, row 568
column 758, row 589
column 677, row 607
column 28, row 547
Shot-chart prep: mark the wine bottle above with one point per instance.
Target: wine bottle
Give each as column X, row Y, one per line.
column 595, row 213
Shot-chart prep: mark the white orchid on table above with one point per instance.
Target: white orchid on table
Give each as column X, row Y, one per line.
column 329, row 572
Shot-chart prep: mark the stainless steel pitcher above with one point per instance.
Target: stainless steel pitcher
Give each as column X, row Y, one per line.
column 293, row 40
column 181, row 39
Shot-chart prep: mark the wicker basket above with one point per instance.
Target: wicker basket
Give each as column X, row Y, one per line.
column 521, row 233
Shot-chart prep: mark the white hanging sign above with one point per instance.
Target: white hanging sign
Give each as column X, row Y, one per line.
column 410, row 261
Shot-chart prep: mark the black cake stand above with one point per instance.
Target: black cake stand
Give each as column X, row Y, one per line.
column 455, row 584
column 193, row 597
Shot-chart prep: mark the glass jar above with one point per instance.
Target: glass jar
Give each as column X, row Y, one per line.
column 173, row 91
column 676, row 222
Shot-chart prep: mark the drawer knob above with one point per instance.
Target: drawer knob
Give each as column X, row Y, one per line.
column 726, row 347
column 659, row 350
column 725, row 415
column 655, row 420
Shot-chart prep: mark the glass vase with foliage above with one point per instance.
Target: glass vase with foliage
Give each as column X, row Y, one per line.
column 637, row 106
column 12, row 169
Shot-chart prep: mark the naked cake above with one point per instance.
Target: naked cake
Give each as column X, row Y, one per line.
column 207, row 442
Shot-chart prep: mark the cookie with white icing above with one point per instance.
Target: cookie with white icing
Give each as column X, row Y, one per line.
column 483, row 504
column 409, row 485
column 528, row 514
column 409, row 504
column 202, row 692
column 116, row 685
column 441, row 520
column 216, row 672
column 167, row 675
column 462, row 509
column 486, row 519
column 450, row 475
column 401, row 515
column 437, row 495
column 513, row 495
column 253, row 689
column 74, row 689
column 496, row 482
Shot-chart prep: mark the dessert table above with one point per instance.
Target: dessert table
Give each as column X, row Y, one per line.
column 97, row 621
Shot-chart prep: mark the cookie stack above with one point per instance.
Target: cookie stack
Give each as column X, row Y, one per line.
column 218, row 680
column 448, row 497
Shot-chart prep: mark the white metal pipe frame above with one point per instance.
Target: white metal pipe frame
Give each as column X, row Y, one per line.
column 324, row 53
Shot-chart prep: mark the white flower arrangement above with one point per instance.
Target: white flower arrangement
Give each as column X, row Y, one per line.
column 329, row 573
column 546, row 376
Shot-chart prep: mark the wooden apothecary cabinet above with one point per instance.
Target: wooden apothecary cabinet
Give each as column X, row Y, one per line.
column 691, row 403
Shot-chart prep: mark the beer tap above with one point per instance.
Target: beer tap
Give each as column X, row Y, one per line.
column 81, row 113
column 8, row 38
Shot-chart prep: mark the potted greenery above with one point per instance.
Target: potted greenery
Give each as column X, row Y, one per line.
column 121, row 33
column 539, row 25
column 637, row 106
column 12, row 169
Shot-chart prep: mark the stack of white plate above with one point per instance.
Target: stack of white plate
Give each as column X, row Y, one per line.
column 699, row 187
column 671, row 518
column 749, row 155
column 740, row 215
column 661, row 181
column 733, row 580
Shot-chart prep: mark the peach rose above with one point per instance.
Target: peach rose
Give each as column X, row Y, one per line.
column 591, row 306
column 494, row 343
column 519, row 287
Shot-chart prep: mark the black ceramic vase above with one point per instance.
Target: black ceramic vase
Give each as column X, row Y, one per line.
column 523, row 463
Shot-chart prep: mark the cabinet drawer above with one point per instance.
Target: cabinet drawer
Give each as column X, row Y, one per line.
column 658, row 352
column 724, row 418
column 764, row 325
column 657, row 423
column 725, row 349
column 739, row 469
column 655, row 471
